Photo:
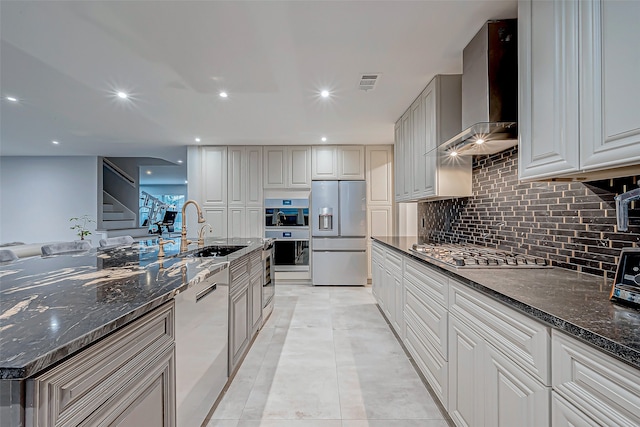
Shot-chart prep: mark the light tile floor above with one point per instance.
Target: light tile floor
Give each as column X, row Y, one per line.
column 326, row 358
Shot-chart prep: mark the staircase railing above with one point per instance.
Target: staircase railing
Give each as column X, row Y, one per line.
column 118, row 171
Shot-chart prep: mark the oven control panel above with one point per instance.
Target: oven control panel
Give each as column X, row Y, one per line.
column 626, row 286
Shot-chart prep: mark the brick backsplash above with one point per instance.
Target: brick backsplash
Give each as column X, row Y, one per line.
column 572, row 224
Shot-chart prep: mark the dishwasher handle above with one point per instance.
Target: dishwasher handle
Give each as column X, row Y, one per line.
column 203, row 293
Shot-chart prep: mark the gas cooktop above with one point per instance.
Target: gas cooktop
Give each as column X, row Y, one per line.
column 470, row 256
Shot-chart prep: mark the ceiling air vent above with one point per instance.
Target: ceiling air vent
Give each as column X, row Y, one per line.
column 368, row 81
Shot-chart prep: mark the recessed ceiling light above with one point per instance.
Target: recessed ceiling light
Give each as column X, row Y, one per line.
column 453, row 153
column 324, row 94
column 324, row 139
column 12, row 99
column 186, row 182
column 197, row 139
column 148, row 172
column 479, row 141
column 123, row 95
column 55, row 142
column 179, row 161
column 223, row 94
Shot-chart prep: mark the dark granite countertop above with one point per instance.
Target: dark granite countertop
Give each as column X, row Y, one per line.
column 51, row 307
column 573, row 302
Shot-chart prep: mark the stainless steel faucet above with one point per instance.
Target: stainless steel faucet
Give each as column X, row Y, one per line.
column 622, row 207
column 184, row 243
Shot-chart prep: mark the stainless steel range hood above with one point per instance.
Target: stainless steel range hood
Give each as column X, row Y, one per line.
column 489, row 92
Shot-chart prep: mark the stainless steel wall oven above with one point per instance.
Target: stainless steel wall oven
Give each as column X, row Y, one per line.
column 287, row 223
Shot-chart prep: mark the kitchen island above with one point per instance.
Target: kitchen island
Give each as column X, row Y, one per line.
column 532, row 346
column 54, row 307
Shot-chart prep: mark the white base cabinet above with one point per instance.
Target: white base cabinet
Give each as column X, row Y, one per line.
column 490, row 365
column 245, row 305
column 126, row 379
column 595, row 384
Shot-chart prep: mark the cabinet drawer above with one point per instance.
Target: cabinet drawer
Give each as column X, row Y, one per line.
column 68, row 393
column 525, row 340
column 393, row 260
column 239, row 268
column 432, row 283
column 432, row 365
column 601, row 386
column 428, row 319
column 255, row 261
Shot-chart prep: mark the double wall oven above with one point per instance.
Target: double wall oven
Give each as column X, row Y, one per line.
column 287, row 222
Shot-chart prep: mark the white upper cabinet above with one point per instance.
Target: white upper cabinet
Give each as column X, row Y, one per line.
column 245, row 176
column 287, row 166
column 579, row 94
column 332, row 162
column 398, row 155
column 214, row 176
column 324, row 162
column 351, row 162
column 433, row 117
column 609, row 85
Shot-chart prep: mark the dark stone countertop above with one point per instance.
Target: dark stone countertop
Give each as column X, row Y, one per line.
column 573, row 302
column 51, row 307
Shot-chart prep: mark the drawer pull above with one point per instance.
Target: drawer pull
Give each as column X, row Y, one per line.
column 203, row 293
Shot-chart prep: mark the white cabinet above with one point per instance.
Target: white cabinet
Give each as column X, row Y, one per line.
column 255, row 291
column 245, row 195
column 466, row 379
column 214, row 176
column 379, row 178
column 324, row 162
column 398, row 157
column 239, row 312
column 351, row 162
column 609, row 88
column 426, row 320
column 595, row 384
column 128, row 375
column 227, row 183
column 388, row 285
column 564, row 414
column 377, row 272
column 245, row 305
column 509, row 367
column 513, row 397
column 578, row 91
column 331, row 162
column 287, row 167
column 431, row 119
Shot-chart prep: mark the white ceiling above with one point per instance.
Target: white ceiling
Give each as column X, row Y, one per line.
column 65, row 60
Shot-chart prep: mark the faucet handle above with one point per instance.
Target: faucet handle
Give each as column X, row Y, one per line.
column 201, row 234
column 161, row 244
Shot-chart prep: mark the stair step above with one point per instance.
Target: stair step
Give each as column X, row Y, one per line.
column 107, row 207
column 116, row 215
column 118, row 224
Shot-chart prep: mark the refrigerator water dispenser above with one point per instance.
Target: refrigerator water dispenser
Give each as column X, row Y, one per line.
column 325, row 219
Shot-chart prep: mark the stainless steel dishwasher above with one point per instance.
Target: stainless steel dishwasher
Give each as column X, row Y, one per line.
column 202, row 327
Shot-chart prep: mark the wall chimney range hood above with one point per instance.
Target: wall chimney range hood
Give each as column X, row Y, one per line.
column 489, row 92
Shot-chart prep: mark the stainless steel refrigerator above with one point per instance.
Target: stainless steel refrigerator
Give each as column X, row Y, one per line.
column 338, row 233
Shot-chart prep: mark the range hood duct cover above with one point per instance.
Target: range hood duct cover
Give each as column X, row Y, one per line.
column 489, row 91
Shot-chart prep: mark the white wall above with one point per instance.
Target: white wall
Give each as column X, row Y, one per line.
column 38, row 195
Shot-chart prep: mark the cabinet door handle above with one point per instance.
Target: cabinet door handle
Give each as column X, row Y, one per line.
column 203, row 293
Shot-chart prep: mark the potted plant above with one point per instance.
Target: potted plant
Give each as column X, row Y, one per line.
column 80, row 225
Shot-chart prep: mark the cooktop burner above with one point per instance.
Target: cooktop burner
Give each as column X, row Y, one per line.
column 469, row 256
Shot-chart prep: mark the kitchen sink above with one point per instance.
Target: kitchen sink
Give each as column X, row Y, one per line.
column 216, row 251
